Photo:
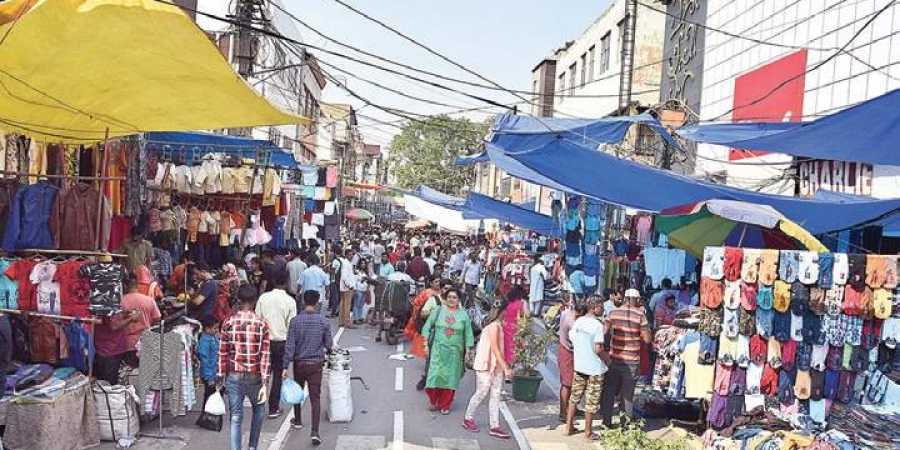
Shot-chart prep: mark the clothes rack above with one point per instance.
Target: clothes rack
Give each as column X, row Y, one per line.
column 58, row 176
column 91, row 321
column 48, row 251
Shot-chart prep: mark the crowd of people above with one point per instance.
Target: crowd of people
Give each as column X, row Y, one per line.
column 266, row 317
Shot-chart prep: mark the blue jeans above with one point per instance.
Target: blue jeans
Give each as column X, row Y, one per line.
column 359, row 300
column 238, row 386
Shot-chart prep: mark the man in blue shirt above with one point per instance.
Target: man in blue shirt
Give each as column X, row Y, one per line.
column 313, row 278
column 576, row 281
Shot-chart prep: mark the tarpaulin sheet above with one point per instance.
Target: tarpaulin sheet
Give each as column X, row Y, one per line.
column 514, row 131
column 439, row 198
column 890, row 226
column 867, row 132
column 608, row 178
column 469, row 160
column 70, row 69
column 450, row 219
column 193, row 145
column 482, row 207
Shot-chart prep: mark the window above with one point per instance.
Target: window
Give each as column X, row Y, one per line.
column 571, row 78
column 583, row 69
column 592, row 53
column 562, row 85
column 604, row 53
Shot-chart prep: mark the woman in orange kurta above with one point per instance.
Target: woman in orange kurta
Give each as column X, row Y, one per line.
column 417, row 342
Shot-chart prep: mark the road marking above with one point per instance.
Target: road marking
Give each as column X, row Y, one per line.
column 398, row 431
column 398, row 379
column 400, row 348
column 454, row 444
column 285, row 428
column 514, row 427
column 359, row 442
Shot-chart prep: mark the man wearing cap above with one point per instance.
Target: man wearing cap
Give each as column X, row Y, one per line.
column 627, row 327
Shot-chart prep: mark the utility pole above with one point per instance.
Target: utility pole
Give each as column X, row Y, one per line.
column 626, row 72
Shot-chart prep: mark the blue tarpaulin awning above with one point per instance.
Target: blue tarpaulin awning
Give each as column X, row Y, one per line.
column 473, row 159
column 514, row 131
column 867, row 132
column 483, row 207
column 193, row 145
column 586, row 171
column 439, row 198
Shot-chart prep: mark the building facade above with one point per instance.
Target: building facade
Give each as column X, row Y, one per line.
column 286, row 76
column 794, row 74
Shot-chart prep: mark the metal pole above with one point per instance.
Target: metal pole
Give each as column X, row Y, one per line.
column 101, row 185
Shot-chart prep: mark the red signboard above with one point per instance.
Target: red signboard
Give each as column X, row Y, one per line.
column 783, row 105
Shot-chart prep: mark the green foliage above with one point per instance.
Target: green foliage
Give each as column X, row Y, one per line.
column 423, row 153
column 631, row 436
column 531, row 346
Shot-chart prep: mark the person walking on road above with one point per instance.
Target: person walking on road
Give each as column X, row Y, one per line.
column 471, row 275
column 565, row 358
column 313, row 278
column 490, row 370
column 277, row 307
column 309, row 338
column 537, row 275
column 449, row 334
column 628, row 327
column 347, row 285
column 591, row 363
column 512, row 312
column 244, row 359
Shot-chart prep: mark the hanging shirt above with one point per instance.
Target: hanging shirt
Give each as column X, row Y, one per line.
column 331, row 176
column 713, row 263
column 663, row 263
column 8, row 288
column 48, row 300
column 183, row 179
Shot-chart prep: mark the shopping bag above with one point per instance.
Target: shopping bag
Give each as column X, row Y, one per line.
column 292, row 393
column 210, row 422
column 215, row 405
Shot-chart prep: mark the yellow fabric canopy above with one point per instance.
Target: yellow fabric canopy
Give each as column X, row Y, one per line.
column 70, row 69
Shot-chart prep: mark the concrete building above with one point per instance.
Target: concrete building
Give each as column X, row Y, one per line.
column 731, row 79
column 581, row 78
column 295, row 86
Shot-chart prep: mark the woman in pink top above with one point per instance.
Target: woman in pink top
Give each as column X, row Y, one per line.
column 512, row 311
column 490, row 368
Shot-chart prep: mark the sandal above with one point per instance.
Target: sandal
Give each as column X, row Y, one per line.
column 593, row 437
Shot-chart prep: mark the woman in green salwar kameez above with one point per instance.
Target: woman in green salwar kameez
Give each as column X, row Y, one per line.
column 449, row 334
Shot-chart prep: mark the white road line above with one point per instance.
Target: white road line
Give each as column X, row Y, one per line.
column 400, row 348
column 398, row 431
column 514, row 427
column 398, row 379
column 285, row 428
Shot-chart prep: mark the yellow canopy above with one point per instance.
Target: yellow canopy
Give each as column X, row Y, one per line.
column 70, row 69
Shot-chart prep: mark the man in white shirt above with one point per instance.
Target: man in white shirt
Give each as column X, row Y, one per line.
column 457, row 260
column 342, row 267
column 536, row 275
column 471, row 274
column 295, row 267
column 591, row 361
column 277, row 307
column 429, row 259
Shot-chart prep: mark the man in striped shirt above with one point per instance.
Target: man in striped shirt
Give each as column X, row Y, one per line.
column 628, row 327
column 244, row 353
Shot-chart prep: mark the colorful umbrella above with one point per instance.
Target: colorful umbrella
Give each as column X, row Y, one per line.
column 359, row 214
column 695, row 226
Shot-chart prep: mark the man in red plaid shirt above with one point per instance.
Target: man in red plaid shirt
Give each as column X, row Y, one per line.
column 244, row 365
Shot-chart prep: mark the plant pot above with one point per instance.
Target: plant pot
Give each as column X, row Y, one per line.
column 525, row 387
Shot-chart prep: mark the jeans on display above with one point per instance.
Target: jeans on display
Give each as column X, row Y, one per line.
column 277, row 351
column 238, row 386
column 359, row 301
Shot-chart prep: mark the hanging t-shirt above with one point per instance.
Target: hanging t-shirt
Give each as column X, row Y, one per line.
column 841, row 269
column 310, row 177
column 698, row 378
column 48, row 300
column 809, row 267
column 331, row 176
column 713, row 263
column 8, row 288
column 106, row 286
column 19, row 272
column 183, row 179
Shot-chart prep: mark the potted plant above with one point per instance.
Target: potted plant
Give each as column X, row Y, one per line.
column 531, row 349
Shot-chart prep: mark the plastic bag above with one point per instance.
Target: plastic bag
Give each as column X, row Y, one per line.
column 292, row 393
column 215, row 405
column 340, row 396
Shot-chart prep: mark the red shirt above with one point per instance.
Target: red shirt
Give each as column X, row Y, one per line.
column 74, row 289
column 149, row 315
column 244, row 345
column 19, row 271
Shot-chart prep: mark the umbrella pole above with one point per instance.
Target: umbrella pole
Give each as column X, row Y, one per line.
column 743, row 233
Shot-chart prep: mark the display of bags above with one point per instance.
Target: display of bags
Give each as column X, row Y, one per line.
column 117, row 411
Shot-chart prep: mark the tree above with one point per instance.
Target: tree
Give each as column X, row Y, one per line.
column 424, row 152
